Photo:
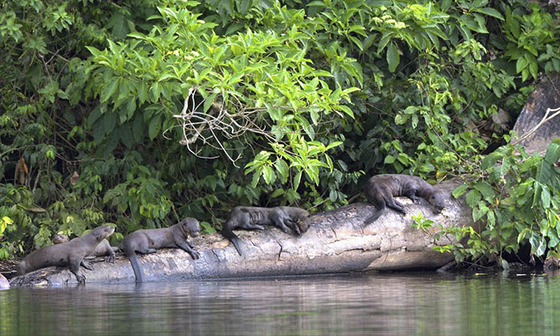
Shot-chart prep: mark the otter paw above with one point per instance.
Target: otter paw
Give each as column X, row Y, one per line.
column 87, row 265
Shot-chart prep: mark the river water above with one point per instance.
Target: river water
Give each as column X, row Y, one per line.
column 378, row 304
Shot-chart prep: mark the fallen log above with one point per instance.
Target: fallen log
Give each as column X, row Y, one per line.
column 337, row 242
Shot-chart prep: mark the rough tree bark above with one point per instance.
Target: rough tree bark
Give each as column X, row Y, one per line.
column 546, row 96
column 336, row 242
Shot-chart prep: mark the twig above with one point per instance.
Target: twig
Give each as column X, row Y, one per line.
column 545, row 119
column 213, row 126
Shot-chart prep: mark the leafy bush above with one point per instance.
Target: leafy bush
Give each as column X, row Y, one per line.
column 140, row 113
column 517, row 196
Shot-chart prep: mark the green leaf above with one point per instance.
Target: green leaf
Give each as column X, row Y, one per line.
column 521, row 64
column 460, row 190
column 297, row 179
column 538, row 244
column 545, row 197
column 207, row 228
column 478, row 213
column 552, row 153
column 109, row 90
column 389, row 159
column 490, row 160
column 282, row 169
column 521, row 237
column 94, row 115
column 473, row 198
column 154, row 127
column 384, row 41
column 244, row 5
column 490, row 12
column 277, row 192
column 356, row 41
column 109, row 121
column 126, row 136
column 486, row 190
column 138, row 129
column 393, row 57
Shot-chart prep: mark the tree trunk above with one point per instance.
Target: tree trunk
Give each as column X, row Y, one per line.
column 336, row 242
column 545, row 96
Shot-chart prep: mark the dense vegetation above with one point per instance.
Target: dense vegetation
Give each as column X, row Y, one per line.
column 139, row 113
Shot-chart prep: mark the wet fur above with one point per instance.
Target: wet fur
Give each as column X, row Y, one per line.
column 380, row 191
column 104, row 249
column 147, row 241
column 285, row 218
column 69, row 254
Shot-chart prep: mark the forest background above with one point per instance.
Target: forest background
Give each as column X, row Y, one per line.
column 140, row 113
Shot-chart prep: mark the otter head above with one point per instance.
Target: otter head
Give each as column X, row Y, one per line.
column 302, row 214
column 102, row 232
column 303, row 225
column 190, row 227
column 298, row 222
column 60, row 238
column 437, row 200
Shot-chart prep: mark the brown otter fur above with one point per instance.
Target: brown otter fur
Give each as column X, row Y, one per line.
column 69, row 254
column 104, row 249
column 147, row 241
column 380, row 191
column 250, row 218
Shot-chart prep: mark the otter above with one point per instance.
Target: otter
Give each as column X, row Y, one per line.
column 104, row 249
column 69, row 254
column 250, row 218
column 147, row 241
column 380, row 190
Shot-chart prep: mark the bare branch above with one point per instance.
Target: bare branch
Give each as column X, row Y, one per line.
column 209, row 128
column 545, row 119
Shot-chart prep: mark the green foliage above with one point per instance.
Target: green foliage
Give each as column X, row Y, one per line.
column 420, row 222
column 531, row 40
column 517, row 196
column 140, row 113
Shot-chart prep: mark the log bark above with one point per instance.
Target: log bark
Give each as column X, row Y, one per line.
column 336, row 242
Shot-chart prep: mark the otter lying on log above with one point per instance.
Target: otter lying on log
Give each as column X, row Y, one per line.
column 380, row 191
column 104, row 249
column 253, row 218
column 69, row 254
column 147, row 241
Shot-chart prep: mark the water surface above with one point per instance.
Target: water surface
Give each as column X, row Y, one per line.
column 381, row 304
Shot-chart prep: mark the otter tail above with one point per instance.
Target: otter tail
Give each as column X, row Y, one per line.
column 375, row 215
column 135, row 266
column 228, row 233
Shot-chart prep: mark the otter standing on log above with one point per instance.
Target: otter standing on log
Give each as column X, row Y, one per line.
column 147, row 241
column 381, row 189
column 251, row 218
column 104, row 249
column 69, row 254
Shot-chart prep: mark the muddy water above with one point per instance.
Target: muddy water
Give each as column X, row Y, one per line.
column 387, row 304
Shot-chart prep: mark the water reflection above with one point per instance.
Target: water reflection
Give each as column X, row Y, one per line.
column 417, row 304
